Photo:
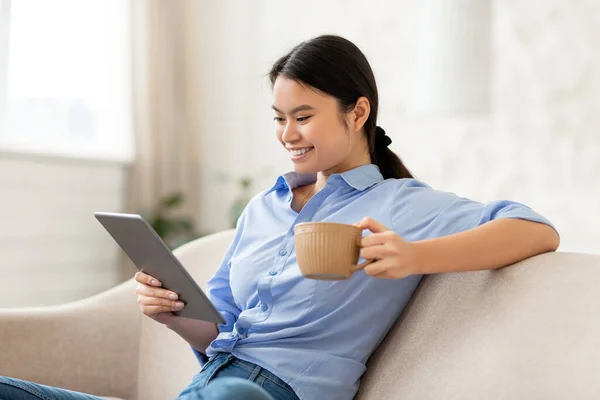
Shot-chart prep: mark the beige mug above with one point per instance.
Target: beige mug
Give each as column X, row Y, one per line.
column 328, row 250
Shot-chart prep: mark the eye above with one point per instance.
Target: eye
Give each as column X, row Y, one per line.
column 303, row 119
column 279, row 120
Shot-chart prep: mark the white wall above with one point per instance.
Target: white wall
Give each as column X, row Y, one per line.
column 52, row 248
column 540, row 146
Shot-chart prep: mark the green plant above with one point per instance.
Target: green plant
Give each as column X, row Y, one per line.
column 175, row 230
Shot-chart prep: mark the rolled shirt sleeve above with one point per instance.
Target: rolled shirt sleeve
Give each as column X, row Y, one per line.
column 422, row 212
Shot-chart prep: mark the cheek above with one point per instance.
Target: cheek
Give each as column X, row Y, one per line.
column 322, row 133
column 331, row 137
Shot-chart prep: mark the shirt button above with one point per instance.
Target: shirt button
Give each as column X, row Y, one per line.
column 283, row 252
column 273, row 273
column 264, row 307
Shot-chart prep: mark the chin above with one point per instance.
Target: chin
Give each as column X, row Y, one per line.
column 305, row 168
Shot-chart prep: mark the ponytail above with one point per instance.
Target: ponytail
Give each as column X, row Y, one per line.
column 388, row 162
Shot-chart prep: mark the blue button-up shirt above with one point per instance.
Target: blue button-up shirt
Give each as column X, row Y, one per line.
column 318, row 335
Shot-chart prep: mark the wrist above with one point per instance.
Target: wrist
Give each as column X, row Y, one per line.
column 419, row 252
column 174, row 324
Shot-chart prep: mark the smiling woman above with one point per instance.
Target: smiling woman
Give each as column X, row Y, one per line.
column 296, row 337
column 312, row 95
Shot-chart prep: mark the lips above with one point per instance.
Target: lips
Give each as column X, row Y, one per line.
column 299, row 154
column 300, row 151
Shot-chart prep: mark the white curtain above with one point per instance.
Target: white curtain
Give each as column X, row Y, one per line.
column 4, row 32
column 165, row 97
column 453, row 66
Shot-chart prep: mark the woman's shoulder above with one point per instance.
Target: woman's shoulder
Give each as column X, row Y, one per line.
column 400, row 184
column 416, row 195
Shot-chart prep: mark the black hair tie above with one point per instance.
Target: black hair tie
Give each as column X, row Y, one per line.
column 381, row 139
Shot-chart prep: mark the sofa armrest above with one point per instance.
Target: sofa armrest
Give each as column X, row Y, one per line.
column 89, row 345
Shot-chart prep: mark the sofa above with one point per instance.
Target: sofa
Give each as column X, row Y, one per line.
column 527, row 331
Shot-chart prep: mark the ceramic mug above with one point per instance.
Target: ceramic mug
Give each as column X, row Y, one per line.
column 328, row 250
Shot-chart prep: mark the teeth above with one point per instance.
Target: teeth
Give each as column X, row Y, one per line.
column 300, row 152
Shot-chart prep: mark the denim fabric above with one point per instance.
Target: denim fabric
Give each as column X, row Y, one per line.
column 225, row 365
column 16, row 389
column 227, row 388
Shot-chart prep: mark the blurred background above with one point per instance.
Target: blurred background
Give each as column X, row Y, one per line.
column 162, row 107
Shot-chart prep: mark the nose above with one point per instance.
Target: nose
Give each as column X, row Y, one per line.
column 290, row 133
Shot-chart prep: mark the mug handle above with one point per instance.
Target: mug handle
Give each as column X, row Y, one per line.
column 362, row 264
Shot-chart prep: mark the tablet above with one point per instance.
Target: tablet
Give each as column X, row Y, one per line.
column 152, row 256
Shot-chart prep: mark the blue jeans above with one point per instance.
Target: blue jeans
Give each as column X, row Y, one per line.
column 225, row 365
column 229, row 379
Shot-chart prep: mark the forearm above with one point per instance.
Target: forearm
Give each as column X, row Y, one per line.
column 492, row 245
column 199, row 334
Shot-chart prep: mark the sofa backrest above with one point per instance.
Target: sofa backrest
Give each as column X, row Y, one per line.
column 528, row 331
column 166, row 362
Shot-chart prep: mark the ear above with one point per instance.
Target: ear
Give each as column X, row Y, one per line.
column 360, row 113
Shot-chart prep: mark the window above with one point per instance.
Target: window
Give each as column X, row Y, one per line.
column 4, row 10
column 68, row 81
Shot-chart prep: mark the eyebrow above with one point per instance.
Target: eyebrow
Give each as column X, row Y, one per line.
column 303, row 107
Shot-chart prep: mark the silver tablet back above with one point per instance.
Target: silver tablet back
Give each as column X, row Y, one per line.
column 152, row 256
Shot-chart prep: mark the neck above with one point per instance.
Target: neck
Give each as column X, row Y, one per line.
column 322, row 176
column 321, row 181
column 358, row 157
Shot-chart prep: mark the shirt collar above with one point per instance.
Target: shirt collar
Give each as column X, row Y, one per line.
column 359, row 178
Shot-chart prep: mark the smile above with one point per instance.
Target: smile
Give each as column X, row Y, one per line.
column 299, row 152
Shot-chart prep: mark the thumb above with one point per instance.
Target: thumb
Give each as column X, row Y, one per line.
column 372, row 225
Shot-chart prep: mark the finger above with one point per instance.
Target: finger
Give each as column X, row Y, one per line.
column 385, row 275
column 157, row 301
column 375, row 239
column 152, row 291
column 375, row 252
column 142, row 277
column 385, row 269
column 391, row 273
column 152, row 311
column 377, row 267
column 372, row 225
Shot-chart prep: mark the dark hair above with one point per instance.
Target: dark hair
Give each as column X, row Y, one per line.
column 334, row 65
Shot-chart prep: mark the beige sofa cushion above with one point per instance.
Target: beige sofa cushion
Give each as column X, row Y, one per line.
column 525, row 332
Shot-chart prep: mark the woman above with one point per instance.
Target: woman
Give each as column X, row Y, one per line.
column 306, row 339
